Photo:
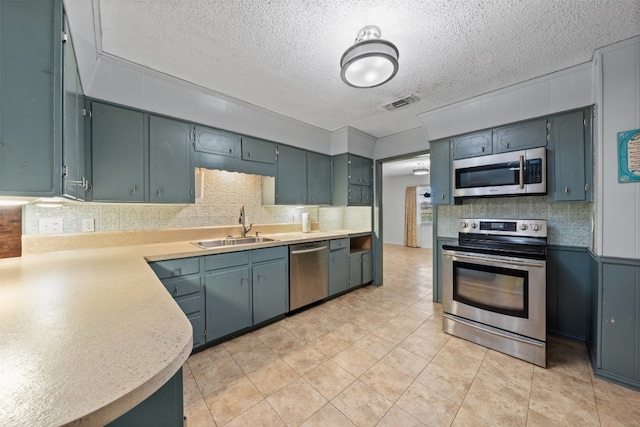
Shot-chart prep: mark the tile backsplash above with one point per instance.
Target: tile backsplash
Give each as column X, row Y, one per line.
column 223, row 194
column 568, row 223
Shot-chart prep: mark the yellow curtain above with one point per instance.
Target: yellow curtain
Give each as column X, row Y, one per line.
column 410, row 212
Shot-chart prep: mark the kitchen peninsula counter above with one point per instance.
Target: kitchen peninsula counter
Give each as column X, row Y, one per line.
column 88, row 334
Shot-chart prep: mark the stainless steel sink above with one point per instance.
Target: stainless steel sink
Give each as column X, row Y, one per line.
column 208, row 244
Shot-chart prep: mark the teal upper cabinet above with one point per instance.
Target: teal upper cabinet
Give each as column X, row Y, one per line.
column 569, row 157
column 291, row 179
column 215, row 141
column 118, row 139
column 318, row 179
column 476, row 144
column 360, row 170
column 75, row 183
column 30, row 92
column 171, row 173
column 352, row 180
column 521, row 136
column 441, row 172
column 258, row 150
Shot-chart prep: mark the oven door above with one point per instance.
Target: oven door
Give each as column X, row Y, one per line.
column 504, row 292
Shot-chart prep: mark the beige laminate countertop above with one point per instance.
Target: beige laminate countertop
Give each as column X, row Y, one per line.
column 86, row 335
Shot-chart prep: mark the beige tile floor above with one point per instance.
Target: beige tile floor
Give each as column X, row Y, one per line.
column 378, row 356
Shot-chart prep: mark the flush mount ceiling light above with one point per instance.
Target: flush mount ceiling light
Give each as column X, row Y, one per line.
column 421, row 169
column 371, row 61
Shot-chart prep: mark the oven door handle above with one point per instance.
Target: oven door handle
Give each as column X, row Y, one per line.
column 453, row 254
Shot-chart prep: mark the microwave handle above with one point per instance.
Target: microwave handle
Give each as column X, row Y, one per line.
column 521, row 172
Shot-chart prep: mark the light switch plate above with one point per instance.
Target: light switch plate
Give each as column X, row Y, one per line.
column 50, row 226
column 88, row 224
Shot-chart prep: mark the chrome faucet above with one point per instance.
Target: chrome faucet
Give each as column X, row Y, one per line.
column 241, row 221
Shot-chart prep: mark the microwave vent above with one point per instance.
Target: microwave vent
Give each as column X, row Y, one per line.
column 399, row 103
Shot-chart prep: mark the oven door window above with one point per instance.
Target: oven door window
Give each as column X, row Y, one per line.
column 496, row 289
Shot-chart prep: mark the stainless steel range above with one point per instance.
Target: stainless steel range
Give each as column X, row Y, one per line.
column 494, row 286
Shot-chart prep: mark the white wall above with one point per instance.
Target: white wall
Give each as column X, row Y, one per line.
column 393, row 195
column 559, row 91
column 407, row 142
column 617, row 206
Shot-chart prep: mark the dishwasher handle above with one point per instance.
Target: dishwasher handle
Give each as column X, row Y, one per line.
column 306, row 251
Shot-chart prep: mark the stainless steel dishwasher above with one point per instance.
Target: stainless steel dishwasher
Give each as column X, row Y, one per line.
column 308, row 281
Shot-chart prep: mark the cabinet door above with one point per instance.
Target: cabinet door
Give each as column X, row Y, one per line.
column 440, row 173
column 355, row 195
column 74, row 178
column 361, row 170
column 228, row 302
column 477, row 144
column 171, row 174
column 291, row 180
column 215, row 141
column 270, row 290
column 257, row 150
column 522, row 136
column 318, row 179
column 568, row 157
column 355, row 269
column 197, row 324
column 367, row 195
column 118, row 154
column 28, row 93
column 367, row 267
column 338, row 270
column 568, row 292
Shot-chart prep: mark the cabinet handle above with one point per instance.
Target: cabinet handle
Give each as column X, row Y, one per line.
column 249, row 153
column 482, row 148
column 177, row 271
column 230, row 150
column 258, row 277
column 442, row 196
column 175, row 291
column 507, row 145
column 133, row 190
column 159, row 192
column 566, row 190
column 586, row 187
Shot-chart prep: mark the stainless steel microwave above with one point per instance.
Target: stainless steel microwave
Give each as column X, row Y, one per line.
column 516, row 172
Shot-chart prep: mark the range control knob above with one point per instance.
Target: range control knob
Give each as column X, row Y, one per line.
column 523, row 227
column 536, row 227
column 464, row 224
column 473, row 225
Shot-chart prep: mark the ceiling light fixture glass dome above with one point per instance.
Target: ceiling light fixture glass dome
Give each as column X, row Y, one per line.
column 371, row 61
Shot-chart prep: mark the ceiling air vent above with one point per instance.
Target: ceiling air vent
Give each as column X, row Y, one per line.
column 399, row 103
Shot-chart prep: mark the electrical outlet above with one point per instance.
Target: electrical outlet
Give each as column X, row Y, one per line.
column 88, row 224
column 50, row 226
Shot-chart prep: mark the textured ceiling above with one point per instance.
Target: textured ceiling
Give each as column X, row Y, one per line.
column 283, row 55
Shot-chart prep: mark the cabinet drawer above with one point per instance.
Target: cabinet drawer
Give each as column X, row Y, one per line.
column 256, row 150
column 215, row 141
column 259, row 255
column 215, row 262
column 191, row 305
column 176, row 267
column 339, row 243
column 478, row 144
column 183, row 286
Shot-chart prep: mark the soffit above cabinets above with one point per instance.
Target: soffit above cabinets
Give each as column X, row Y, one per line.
column 284, row 55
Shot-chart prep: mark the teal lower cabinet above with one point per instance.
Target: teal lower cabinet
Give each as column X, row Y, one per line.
column 164, row 408
column 228, row 294
column 181, row 278
column 338, row 266
column 568, row 292
column 360, row 268
column 614, row 336
column 270, row 280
